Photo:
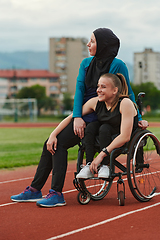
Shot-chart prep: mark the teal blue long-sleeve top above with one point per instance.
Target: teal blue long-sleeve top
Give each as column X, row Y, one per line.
column 83, row 94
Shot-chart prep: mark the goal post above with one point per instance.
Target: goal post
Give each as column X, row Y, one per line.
column 18, row 109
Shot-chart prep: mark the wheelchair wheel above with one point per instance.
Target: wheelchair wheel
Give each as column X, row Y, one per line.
column 143, row 166
column 96, row 187
column 121, row 198
column 83, row 198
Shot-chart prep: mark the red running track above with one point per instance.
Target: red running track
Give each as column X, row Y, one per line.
column 50, row 124
column 103, row 219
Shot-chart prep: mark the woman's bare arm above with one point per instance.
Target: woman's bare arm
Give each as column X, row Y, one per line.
column 88, row 107
column 79, row 123
column 52, row 141
column 128, row 112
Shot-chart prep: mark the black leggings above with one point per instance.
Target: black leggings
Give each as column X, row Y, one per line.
column 57, row 162
column 105, row 133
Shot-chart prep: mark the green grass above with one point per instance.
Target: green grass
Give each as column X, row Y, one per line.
column 151, row 118
column 23, row 146
column 156, row 131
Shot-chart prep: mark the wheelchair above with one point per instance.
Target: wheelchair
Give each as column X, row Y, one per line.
column 142, row 168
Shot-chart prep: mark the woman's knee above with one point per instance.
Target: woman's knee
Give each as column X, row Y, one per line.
column 105, row 129
column 92, row 128
column 45, row 145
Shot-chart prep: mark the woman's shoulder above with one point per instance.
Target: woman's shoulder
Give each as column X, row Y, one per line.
column 125, row 100
column 92, row 103
column 126, row 103
column 118, row 61
column 128, row 108
column 86, row 61
column 118, row 66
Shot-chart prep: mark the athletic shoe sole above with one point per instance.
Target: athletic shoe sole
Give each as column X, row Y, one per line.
column 29, row 200
column 55, row 205
column 103, row 176
column 84, row 177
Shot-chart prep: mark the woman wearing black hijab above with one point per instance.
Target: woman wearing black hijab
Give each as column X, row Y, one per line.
column 103, row 48
column 103, row 60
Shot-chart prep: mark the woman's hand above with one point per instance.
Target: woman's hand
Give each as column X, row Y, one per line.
column 143, row 124
column 79, row 126
column 52, row 144
column 96, row 162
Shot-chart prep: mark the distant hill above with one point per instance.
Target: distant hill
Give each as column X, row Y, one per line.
column 33, row 60
column 24, row 60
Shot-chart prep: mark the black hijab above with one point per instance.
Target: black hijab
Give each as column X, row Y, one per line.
column 107, row 49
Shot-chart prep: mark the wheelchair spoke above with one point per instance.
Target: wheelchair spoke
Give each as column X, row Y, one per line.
column 97, row 188
column 144, row 167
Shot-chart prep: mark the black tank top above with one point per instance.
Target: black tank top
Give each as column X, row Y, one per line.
column 113, row 118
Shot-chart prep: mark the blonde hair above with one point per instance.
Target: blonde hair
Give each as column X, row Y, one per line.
column 119, row 81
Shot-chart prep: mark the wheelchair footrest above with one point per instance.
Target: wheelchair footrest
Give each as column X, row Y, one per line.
column 78, row 186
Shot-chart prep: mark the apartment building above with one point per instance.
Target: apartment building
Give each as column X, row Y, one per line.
column 65, row 56
column 11, row 81
column 147, row 67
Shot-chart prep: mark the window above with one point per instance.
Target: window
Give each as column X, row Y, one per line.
column 63, row 89
column 64, row 77
column 3, row 79
column 23, row 79
column 59, row 70
column 60, row 57
column 53, row 88
column 54, row 79
column 54, row 95
column 13, row 80
column 61, row 65
column 60, row 52
column 14, row 88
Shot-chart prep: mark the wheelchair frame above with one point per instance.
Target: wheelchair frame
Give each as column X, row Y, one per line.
column 142, row 169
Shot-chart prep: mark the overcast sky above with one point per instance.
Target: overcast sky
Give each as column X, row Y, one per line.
column 28, row 24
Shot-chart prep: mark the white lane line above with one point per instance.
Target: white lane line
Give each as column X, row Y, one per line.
column 22, row 179
column 103, row 222
column 6, row 204
column 16, row 180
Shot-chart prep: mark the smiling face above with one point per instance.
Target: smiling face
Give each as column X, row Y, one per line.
column 106, row 90
column 92, row 45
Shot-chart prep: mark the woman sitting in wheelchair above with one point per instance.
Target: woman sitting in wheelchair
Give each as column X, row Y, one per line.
column 117, row 119
column 117, row 116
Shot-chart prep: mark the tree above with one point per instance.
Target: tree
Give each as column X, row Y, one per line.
column 50, row 103
column 38, row 92
column 152, row 97
column 67, row 101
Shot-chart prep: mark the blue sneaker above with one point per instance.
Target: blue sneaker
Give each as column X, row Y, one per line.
column 27, row 196
column 52, row 199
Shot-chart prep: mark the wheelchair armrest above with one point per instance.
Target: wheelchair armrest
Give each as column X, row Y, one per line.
column 122, row 150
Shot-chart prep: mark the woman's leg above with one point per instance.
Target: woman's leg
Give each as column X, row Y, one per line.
column 106, row 132
column 66, row 139
column 57, row 162
column 43, row 170
column 91, row 132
